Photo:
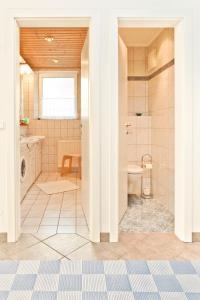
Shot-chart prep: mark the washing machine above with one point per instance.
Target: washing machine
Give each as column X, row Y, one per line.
column 24, row 169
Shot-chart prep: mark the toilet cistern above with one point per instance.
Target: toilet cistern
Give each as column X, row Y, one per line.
column 134, row 169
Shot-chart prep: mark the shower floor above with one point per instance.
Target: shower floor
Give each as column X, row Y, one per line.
column 147, row 216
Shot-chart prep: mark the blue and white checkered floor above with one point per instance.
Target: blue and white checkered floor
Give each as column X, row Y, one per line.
column 99, row 280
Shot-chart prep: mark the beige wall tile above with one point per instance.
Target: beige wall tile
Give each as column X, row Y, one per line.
column 132, row 136
column 139, row 53
column 139, row 136
column 144, row 122
column 131, row 68
column 139, row 68
column 130, row 53
column 164, row 45
column 131, row 88
column 161, row 107
column 132, row 153
column 139, row 89
column 143, row 137
column 140, row 104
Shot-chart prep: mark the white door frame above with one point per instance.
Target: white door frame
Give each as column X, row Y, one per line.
column 182, row 23
column 50, row 17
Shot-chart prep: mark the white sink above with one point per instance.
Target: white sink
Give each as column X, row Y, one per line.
column 31, row 139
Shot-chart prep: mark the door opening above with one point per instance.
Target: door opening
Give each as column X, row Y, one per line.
column 146, row 116
column 50, row 117
column 51, row 89
column 163, row 137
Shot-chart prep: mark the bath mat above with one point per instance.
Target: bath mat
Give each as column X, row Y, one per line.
column 54, row 187
column 99, row 280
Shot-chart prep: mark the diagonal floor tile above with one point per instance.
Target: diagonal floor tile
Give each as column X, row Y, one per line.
column 93, row 252
column 42, row 236
column 39, row 251
column 25, row 241
column 65, row 243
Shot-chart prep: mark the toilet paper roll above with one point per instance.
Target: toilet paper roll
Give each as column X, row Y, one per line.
column 148, row 166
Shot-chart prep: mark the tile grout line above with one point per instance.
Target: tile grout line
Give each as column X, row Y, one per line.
column 39, row 241
column 88, row 242
column 30, row 207
column 59, row 251
column 82, row 211
column 53, row 248
column 35, row 183
column 49, row 197
column 60, row 212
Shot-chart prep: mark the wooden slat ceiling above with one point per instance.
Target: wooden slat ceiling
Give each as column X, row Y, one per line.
column 66, row 47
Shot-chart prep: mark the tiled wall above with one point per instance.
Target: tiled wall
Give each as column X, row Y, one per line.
column 161, row 108
column 153, row 134
column 139, row 138
column 26, row 94
column 164, row 48
column 137, row 90
column 53, row 130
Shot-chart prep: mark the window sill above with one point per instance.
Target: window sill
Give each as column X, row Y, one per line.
column 59, row 119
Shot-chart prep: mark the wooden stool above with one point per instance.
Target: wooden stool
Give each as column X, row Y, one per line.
column 69, row 169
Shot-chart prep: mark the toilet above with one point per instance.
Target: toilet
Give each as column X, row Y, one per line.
column 134, row 179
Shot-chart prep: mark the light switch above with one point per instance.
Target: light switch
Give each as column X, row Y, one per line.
column 2, row 124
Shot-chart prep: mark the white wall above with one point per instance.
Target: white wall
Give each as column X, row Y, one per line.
column 104, row 7
column 196, row 125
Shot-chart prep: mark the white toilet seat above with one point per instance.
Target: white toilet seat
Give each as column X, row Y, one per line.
column 134, row 169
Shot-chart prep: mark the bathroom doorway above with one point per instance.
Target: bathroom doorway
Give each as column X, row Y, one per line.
column 146, row 84
column 51, row 74
column 182, row 209
column 55, row 178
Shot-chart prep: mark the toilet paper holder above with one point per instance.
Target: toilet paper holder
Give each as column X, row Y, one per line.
column 146, row 189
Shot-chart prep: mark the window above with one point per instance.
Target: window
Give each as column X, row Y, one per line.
column 58, row 95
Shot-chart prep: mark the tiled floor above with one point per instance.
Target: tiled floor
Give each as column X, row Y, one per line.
column 151, row 246
column 147, row 215
column 57, row 213
column 38, row 242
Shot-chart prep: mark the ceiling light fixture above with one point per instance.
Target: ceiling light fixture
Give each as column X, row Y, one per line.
column 55, row 61
column 49, row 39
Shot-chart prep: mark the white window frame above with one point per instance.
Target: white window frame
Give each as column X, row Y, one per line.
column 57, row 74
